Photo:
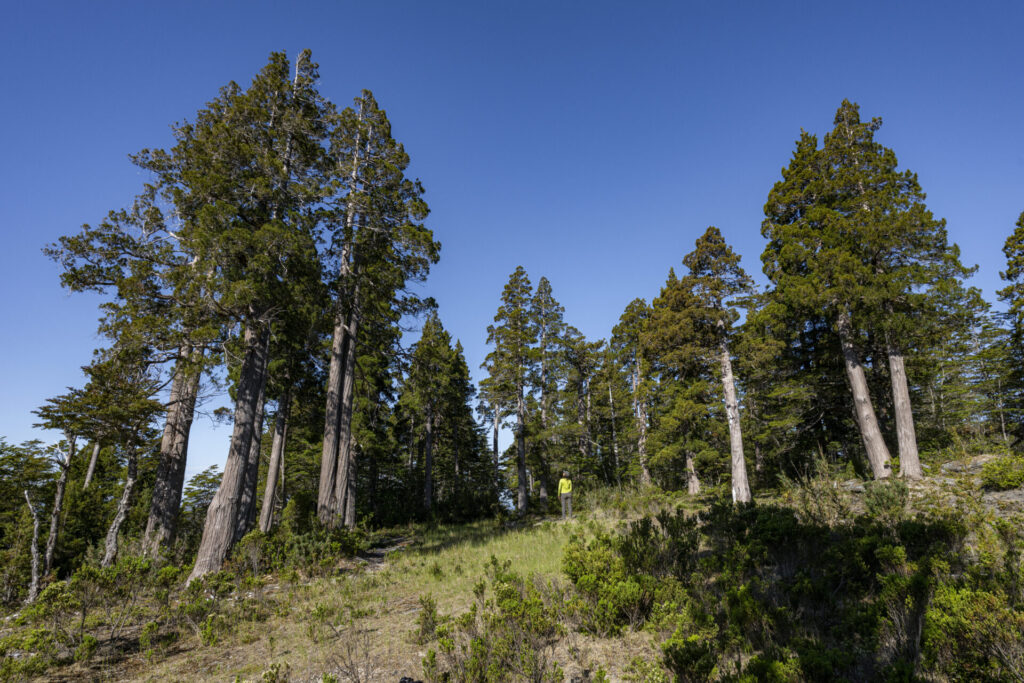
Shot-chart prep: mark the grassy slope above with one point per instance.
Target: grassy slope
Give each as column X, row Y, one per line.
column 360, row 624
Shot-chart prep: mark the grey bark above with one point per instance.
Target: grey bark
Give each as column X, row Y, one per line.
column 335, row 386
column 523, row 498
column 328, row 505
column 110, row 551
column 615, row 440
column 350, row 491
column 874, row 443
column 218, row 532
column 92, row 465
column 275, row 471
column 33, row 586
column 867, row 422
column 58, row 504
column 428, row 464
column 640, row 414
column 692, row 482
column 247, row 503
column 343, row 477
column 910, row 462
column 170, row 472
column 740, row 486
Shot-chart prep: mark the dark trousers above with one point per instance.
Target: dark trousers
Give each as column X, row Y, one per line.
column 566, row 499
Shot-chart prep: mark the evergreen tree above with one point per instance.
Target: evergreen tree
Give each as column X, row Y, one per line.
column 512, row 364
column 716, row 278
column 850, row 235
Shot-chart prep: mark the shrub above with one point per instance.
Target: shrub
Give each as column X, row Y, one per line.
column 1003, row 474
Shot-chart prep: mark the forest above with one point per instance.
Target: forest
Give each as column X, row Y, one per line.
column 277, row 253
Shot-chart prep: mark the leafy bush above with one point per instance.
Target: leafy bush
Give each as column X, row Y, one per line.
column 507, row 637
column 1003, row 474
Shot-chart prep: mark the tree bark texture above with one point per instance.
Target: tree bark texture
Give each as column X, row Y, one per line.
column 92, row 465
column 615, row 440
column 170, row 472
column 740, row 486
column 692, row 482
column 275, row 470
column 247, row 502
column 110, row 550
column 910, row 462
column 33, row 586
column 428, row 464
column 523, row 499
column 350, row 490
column 640, row 414
column 874, row 443
column 218, row 532
column 344, row 475
column 332, row 421
column 58, row 504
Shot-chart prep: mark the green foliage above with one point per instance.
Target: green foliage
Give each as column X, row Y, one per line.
column 1003, row 474
column 427, row 620
column 509, row 636
column 886, row 500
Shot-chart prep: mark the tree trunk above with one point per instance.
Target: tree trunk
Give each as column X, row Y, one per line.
column 615, row 441
column 170, row 472
column 33, row 586
column 740, row 486
column 343, row 477
column 328, row 506
column 114, row 531
column 523, row 499
column 910, row 462
column 275, row 470
column 92, row 465
column 332, row 422
column 218, row 532
column 58, row 504
column 247, row 503
column 692, row 482
column 350, row 490
column 428, row 464
column 645, row 471
column 640, row 415
column 494, row 446
column 874, row 444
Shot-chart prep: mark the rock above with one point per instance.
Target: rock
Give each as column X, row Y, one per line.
column 853, row 485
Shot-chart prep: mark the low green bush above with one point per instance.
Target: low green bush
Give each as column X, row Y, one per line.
column 1003, row 474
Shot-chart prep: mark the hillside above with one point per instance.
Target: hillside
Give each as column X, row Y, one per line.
column 828, row 578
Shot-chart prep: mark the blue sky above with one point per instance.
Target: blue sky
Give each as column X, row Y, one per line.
column 590, row 142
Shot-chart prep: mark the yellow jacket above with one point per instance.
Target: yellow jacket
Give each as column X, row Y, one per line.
column 564, row 486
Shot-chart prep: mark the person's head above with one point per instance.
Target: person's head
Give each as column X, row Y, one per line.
column 565, row 473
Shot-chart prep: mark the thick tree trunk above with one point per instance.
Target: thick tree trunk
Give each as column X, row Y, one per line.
column 615, row 441
column 218, row 532
column 275, row 471
column 110, row 553
column 523, row 498
column 740, row 486
column 640, row 415
column 58, row 504
column 247, row 503
column 33, row 586
column 92, row 465
column 874, row 443
column 332, row 422
column 692, row 482
column 428, row 464
column 910, row 462
column 344, row 476
column 645, row 472
column 170, row 472
column 350, row 490
column 494, row 447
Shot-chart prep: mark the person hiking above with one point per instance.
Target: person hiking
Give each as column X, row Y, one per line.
column 565, row 494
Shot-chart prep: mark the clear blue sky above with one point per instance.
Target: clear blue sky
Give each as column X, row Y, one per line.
column 591, row 142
